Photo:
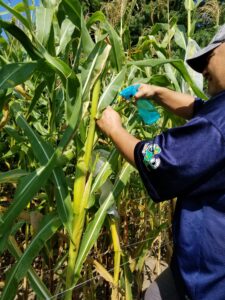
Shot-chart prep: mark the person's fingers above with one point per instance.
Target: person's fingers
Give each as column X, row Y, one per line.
column 139, row 94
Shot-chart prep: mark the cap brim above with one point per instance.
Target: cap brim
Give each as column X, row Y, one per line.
column 198, row 62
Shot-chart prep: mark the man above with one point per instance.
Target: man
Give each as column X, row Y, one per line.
column 186, row 162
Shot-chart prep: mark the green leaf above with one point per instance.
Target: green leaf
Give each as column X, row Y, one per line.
column 12, row 175
column 51, row 3
column 73, row 105
column 37, row 94
column 117, row 47
column 58, row 65
column 111, row 90
column 43, row 24
column 66, row 31
column 17, row 15
column 98, row 16
column 91, row 234
column 74, row 10
column 170, row 72
column 26, row 190
column 22, row 38
column 48, row 227
column 179, row 37
column 127, row 277
column 16, row 73
column 37, row 285
column 21, row 7
column 161, row 80
column 14, row 134
column 73, row 7
column 93, row 67
column 44, row 151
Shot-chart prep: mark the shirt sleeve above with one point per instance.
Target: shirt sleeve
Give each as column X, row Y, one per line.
column 175, row 162
column 198, row 105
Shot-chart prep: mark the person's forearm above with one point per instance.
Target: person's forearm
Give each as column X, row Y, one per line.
column 178, row 103
column 125, row 143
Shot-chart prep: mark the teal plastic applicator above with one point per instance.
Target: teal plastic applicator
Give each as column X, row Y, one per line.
column 146, row 110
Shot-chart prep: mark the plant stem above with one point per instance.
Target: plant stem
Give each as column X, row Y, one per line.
column 82, row 188
column 117, row 258
column 189, row 20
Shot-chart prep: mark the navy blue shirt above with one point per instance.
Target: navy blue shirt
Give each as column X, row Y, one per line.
column 188, row 162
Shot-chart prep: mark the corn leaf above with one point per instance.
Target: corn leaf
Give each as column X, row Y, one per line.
column 44, row 151
column 66, row 31
column 16, row 14
column 73, row 101
column 12, row 175
column 170, row 72
column 27, row 188
column 14, row 134
column 16, row 73
column 25, row 7
column 117, row 55
column 179, row 37
column 22, row 38
column 37, row 94
column 103, row 272
column 111, row 90
column 37, row 285
column 93, row 67
column 43, row 23
column 73, row 7
column 74, row 10
column 127, row 278
column 48, row 227
column 98, row 16
column 51, row 3
column 58, row 65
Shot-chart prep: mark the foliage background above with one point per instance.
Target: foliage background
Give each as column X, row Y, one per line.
column 76, row 222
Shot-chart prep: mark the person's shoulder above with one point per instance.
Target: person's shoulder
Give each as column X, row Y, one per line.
column 214, row 111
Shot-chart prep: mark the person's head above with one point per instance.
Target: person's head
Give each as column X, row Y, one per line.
column 210, row 61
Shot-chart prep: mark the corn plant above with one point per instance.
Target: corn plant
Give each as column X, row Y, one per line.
column 59, row 71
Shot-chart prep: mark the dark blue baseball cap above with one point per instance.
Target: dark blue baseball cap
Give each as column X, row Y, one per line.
column 199, row 60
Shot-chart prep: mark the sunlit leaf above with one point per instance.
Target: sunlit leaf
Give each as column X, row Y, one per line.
column 111, row 90
column 43, row 23
column 66, row 32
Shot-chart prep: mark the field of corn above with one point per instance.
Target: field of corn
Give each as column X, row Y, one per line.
column 75, row 219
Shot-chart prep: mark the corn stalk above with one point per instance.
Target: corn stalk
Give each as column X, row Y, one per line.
column 82, row 188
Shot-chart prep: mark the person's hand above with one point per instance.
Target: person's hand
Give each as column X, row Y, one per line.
column 109, row 122
column 146, row 91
